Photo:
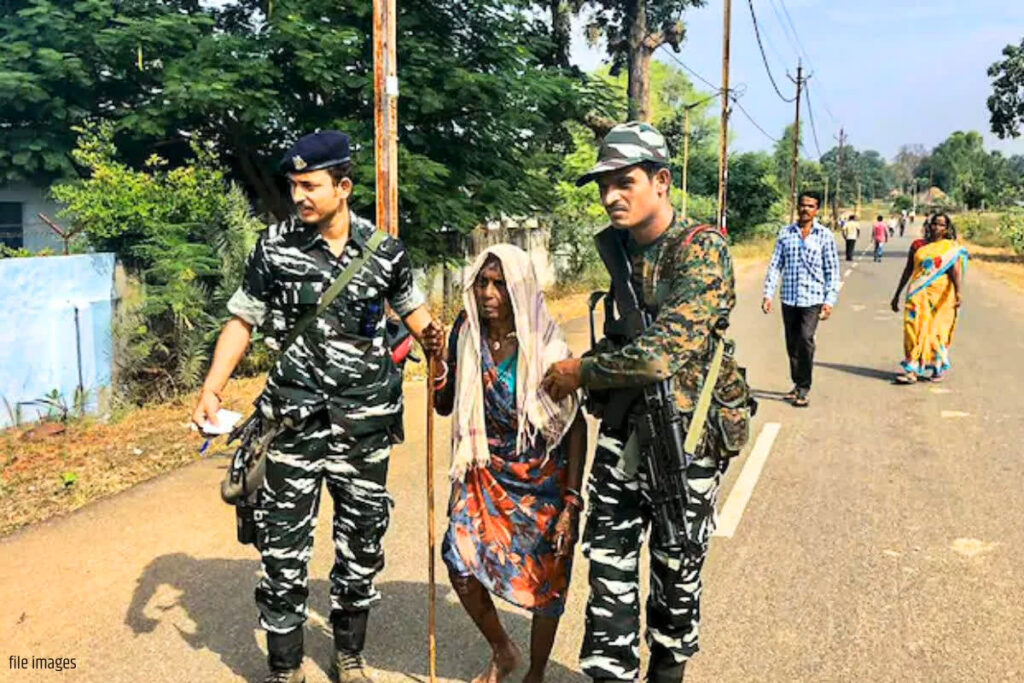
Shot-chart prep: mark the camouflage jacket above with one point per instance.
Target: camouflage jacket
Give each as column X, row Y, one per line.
column 689, row 288
column 341, row 361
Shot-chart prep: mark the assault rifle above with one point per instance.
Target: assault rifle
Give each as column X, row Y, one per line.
column 658, row 423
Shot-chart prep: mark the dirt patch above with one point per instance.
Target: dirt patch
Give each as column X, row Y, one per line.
column 1004, row 263
column 52, row 475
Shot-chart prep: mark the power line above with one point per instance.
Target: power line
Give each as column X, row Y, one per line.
column 764, row 57
column 751, row 119
column 793, row 36
column 796, row 34
column 678, row 61
column 810, row 114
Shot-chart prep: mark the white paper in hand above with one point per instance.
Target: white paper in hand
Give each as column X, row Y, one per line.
column 226, row 421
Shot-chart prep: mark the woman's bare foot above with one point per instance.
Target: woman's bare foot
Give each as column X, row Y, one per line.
column 503, row 662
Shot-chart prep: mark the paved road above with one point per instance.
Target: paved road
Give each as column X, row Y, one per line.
column 882, row 540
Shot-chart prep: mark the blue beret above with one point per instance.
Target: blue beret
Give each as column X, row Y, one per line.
column 315, row 151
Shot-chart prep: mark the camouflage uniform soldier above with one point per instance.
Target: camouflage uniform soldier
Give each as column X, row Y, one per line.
column 335, row 396
column 685, row 277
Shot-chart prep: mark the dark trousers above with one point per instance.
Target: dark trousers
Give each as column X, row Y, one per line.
column 801, row 323
column 850, row 244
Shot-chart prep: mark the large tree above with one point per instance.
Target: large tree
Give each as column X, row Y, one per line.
column 633, row 30
column 1006, row 104
column 959, row 165
column 482, row 116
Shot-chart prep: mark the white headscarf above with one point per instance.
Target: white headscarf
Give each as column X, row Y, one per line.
column 541, row 343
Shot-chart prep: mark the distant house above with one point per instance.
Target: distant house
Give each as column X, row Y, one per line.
column 20, row 225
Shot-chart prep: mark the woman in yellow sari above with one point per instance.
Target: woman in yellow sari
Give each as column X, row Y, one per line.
column 936, row 267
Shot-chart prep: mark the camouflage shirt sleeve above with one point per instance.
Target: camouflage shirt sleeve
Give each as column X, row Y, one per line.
column 249, row 302
column 700, row 290
column 403, row 294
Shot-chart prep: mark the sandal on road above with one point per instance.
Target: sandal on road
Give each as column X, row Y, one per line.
column 791, row 395
column 801, row 401
column 906, row 378
column 938, row 378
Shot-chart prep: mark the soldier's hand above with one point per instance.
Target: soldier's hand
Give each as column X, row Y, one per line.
column 766, row 305
column 432, row 339
column 206, row 409
column 562, row 378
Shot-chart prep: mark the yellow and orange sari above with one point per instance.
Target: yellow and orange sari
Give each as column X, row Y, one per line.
column 930, row 316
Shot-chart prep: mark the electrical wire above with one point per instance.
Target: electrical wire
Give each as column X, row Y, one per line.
column 750, row 118
column 764, row 57
column 810, row 115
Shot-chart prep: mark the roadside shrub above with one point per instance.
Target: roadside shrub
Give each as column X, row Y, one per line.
column 183, row 235
column 1011, row 226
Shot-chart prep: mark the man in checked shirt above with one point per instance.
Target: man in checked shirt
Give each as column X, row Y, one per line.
column 808, row 261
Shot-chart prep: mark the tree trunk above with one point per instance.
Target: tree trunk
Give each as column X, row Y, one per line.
column 561, row 31
column 639, row 62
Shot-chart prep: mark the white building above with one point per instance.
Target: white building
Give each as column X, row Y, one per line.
column 20, row 225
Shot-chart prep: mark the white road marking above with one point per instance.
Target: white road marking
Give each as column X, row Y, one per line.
column 940, row 390
column 855, row 264
column 950, row 414
column 738, row 498
column 847, row 273
column 858, row 307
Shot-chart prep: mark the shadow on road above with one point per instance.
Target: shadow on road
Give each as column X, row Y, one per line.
column 872, row 373
column 769, row 395
column 217, row 596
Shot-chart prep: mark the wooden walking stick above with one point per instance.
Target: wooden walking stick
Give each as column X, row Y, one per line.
column 385, row 81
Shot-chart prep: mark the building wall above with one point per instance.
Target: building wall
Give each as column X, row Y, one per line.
column 56, row 326
column 34, row 200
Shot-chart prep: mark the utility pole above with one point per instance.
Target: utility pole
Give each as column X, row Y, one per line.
column 796, row 144
column 385, row 106
column 686, row 154
column 825, row 205
column 839, row 177
column 723, row 149
column 914, row 211
column 858, row 198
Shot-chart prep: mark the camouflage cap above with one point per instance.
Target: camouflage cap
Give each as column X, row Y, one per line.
column 628, row 144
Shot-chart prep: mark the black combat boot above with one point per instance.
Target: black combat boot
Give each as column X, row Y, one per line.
column 349, row 637
column 663, row 668
column 284, row 656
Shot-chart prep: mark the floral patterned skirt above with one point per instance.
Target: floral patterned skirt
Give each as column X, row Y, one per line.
column 502, row 528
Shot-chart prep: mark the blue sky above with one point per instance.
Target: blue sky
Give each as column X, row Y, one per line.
column 891, row 72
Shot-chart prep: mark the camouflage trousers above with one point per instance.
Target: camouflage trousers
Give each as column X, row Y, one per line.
column 355, row 469
column 619, row 514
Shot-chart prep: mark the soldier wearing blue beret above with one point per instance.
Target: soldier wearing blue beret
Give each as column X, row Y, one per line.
column 333, row 398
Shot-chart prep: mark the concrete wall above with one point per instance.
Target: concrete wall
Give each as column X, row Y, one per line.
column 41, row 347
column 34, row 200
column 527, row 234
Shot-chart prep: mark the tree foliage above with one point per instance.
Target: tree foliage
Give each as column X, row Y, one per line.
column 1006, row 103
column 183, row 233
column 483, row 111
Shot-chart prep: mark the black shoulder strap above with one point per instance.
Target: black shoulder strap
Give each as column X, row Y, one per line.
column 334, row 290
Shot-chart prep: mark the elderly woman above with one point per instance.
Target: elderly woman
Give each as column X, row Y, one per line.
column 517, row 459
column 936, row 266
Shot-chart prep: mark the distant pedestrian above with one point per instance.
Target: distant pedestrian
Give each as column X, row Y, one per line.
column 880, row 235
column 938, row 264
column 807, row 260
column 851, row 231
column 891, row 224
column 903, row 222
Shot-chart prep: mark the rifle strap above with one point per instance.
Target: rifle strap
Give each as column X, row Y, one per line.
column 334, row 290
column 700, row 412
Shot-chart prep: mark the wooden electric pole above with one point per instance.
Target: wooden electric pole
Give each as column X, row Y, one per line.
column 385, row 107
column 686, row 154
column 839, row 177
column 825, row 204
column 796, row 144
column 723, row 148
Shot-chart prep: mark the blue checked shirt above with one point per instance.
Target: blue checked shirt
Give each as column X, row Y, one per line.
column 809, row 268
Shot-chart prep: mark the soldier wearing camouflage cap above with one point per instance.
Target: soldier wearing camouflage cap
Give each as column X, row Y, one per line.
column 685, row 276
column 334, row 399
